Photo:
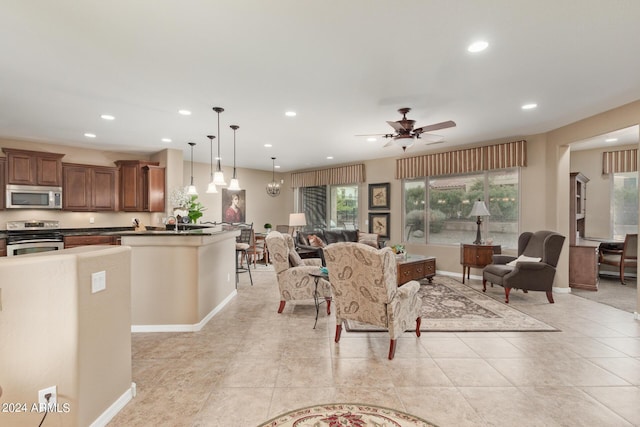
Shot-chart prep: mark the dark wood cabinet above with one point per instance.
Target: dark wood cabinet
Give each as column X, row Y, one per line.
column 89, row 188
column 3, row 182
column 3, row 247
column 583, row 266
column 33, row 167
column 415, row 268
column 88, row 239
column 142, row 186
column 476, row 256
column 577, row 206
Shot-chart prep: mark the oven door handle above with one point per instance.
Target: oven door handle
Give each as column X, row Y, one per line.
column 19, row 242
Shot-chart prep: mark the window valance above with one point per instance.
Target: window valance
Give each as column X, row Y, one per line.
column 620, row 161
column 498, row 156
column 333, row 176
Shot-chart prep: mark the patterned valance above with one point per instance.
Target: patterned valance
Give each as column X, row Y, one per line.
column 620, row 161
column 499, row 156
column 333, row 176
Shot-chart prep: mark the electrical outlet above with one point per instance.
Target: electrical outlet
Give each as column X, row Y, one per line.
column 42, row 400
column 228, row 277
column 98, row 281
column 92, row 220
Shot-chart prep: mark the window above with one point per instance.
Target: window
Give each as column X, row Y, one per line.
column 444, row 203
column 330, row 206
column 624, row 204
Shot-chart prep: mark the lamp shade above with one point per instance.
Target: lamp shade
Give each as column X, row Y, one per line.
column 479, row 209
column 297, row 220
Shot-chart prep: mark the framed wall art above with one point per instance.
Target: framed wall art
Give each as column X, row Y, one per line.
column 379, row 224
column 233, row 206
column 379, row 196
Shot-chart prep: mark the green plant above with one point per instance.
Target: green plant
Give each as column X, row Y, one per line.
column 267, row 225
column 189, row 203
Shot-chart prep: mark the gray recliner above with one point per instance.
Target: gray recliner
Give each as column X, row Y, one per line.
column 527, row 275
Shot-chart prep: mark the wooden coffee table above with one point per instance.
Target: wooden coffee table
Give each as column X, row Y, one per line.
column 415, row 267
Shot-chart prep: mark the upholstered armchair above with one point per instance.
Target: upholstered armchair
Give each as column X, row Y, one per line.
column 533, row 270
column 627, row 257
column 365, row 289
column 293, row 276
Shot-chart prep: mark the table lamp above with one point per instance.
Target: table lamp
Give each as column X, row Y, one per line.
column 479, row 209
column 297, row 220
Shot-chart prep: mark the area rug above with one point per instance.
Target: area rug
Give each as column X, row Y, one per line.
column 346, row 415
column 450, row 306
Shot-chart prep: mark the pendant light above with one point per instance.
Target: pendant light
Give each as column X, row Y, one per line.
column 192, row 188
column 273, row 188
column 212, row 185
column 234, row 185
column 218, row 177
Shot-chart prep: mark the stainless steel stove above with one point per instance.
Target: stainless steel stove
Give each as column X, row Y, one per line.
column 32, row 236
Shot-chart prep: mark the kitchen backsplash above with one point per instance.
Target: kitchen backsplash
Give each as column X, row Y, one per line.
column 82, row 219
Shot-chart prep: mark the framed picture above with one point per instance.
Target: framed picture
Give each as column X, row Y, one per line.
column 379, row 196
column 379, row 224
column 233, row 206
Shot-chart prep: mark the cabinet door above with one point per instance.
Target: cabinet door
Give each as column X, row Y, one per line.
column 87, row 240
column 131, row 191
column 22, row 169
column 76, row 188
column 3, row 176
column 104, row 189
column 49, row 171
column 153, row 189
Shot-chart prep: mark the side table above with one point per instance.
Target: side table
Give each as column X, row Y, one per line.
column 476, row 256
column 415, row 267
column 317, row 275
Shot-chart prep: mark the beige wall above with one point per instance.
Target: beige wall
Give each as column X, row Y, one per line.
column 56, row 332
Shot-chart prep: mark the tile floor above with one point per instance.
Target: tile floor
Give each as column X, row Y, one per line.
column 250, row 364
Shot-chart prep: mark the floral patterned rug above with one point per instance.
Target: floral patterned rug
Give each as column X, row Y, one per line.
column 346, row 415
column 450, row 306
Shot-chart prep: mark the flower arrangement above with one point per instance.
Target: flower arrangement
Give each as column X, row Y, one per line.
column 398, row 249
column 186, row 203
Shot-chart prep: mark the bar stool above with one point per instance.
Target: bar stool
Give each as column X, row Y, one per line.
column 243, row 243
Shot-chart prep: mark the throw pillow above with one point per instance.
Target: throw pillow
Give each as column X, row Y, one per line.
column 371, row 243
column 315, row 241
column 294, row 259
column 523, row 258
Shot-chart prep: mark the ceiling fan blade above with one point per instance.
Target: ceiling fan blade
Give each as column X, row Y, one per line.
column 373, row 134
column 431, row 137
column 435, row 142
column 436, row 126
column 390, row 143
column 397, row 126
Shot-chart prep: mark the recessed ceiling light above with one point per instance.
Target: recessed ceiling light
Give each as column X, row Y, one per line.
column 611, row 140
column 268, row 145
column 166, row 140
column 329, row 157
column 277, row 166
column 371, row 139
column 90, row 135
column 478, row 46
column 529, row 106
column 107, row 117
column 184, row 112
column 290, row 114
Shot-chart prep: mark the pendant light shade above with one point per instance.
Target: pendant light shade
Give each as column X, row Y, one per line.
column 273, row 188
column 218, row 176
column 192, row 188
column 211, row 188
column 234, row 185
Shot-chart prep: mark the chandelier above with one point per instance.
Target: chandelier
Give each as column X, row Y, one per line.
column 273, row 188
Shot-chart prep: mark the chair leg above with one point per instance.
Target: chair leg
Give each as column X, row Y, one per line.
column 418, row 322
column 246, row 254
column 622, row 272
column 328, row 299
column 282, row 303
column 338, row 331
column 484, row 285
column 550, row 297
column 506, row 295
column 392, row 349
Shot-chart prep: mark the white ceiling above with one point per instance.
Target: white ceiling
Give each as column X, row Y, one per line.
column 344, row 66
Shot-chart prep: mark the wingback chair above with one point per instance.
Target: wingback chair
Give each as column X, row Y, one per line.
column 365, row 289
column 627, row 257
column 533, row 270
column 293, row 276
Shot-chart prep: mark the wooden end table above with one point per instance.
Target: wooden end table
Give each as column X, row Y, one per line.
column 476, row 256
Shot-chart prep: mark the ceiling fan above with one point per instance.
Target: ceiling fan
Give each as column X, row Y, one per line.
column 406, row 134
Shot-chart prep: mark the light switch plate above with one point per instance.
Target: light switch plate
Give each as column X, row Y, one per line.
column 98, row 281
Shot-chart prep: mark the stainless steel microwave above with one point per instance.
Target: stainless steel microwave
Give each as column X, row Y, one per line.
column 33, row 197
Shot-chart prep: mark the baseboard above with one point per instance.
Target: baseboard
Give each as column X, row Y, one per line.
column 557, row 290
column 636, row 315
column 116, row 407
column 185, row 327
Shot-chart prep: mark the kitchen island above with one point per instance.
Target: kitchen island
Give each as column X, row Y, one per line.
column 179, row 280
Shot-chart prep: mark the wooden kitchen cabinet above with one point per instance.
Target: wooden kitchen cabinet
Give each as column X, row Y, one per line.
column 89, row 188
column 33, row 167
column 3, row 247
column 476, row 256
column 87, row 240
column 3, row 182
column 142, row 186
column 583, row 265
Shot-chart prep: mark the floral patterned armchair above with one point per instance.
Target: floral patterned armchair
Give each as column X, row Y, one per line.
column 294, row 280
column 365, row 289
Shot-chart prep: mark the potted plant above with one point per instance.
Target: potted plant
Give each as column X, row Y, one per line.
column 267, row 227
